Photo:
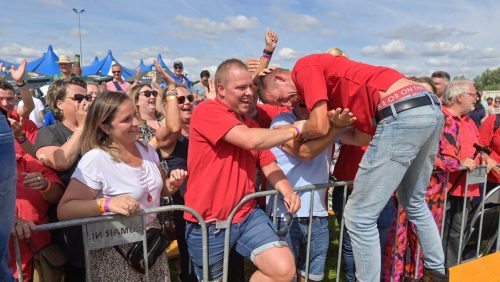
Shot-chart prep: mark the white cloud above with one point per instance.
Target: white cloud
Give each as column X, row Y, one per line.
column 443, row 48
column 147, row 54
column 438, row 62
column 65, row 51
column 286, row 53
column 57, row 3
column 393, row 49
column 418, row 32
column 211, row 29
column 302, row 23
column 74, row 32
column 15, row 52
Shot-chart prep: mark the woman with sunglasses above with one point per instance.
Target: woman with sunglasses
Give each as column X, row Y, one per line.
column 117, row 174
column 58, row 147
column 145, row 102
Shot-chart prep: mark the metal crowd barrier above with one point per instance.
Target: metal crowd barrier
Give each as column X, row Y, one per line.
column 477, row 176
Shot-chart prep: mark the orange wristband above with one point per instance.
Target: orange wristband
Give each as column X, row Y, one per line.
column 101, row 205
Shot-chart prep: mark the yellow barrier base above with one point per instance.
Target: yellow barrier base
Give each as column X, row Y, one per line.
column 485, row 269
column 173, row 250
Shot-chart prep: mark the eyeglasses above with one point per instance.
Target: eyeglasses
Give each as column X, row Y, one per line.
column 287, row 222
column 79, row 98
column 182, row 99
column 148, row 93
column 116, row 71
column 178, row 68
column 497, row 101
column 471, row 94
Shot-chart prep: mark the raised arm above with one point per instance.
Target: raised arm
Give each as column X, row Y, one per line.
column 28, row 104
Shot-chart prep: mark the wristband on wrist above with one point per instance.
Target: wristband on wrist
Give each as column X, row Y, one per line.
column 270, row 53
column 267, row 56
column 171, row 93
column 106, row 205
column 21, row 138
column 295, row 132
column 101, row 206
column 21, row 84
column 79, row 129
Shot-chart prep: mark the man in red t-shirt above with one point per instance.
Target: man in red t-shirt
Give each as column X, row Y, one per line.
column 409, row 126
column 225, row 149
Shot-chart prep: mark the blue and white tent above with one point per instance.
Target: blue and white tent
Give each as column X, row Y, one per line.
column 144, row 67
column 46, row 64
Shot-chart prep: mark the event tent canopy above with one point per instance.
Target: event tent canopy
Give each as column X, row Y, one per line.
column 103, row 67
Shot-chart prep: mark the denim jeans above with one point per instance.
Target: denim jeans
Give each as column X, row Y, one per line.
column 296, row 238
column 383, row 225
column 8, row 179
column 401, row 155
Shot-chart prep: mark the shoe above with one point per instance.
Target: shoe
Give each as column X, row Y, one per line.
column 435, row 276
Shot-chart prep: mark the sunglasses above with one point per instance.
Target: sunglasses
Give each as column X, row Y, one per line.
column 182, row 99
column 178, row 68
column 148, row 93
column 116, row 71
column 287, row 222
column 79, row 98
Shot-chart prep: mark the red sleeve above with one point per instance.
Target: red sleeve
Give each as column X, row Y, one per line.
column 30, row 129
column 486, row 131
column 265, row 157
column 34, row 165
column 311, row 84
column 213, row 120
column 267, row 113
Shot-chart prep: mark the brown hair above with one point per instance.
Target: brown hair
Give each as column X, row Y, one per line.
column 102, row 111
column 4, row 85
column 57, row 92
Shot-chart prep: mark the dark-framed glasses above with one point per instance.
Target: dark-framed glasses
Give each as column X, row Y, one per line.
column 116, row 71
column 287, row 222
column 148, row 93
column 182, row 99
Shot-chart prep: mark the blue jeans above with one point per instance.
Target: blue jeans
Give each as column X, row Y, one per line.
column 252, row 236
column 296, row 238
column 401, row 154
column 8, row 179
column 383, row 224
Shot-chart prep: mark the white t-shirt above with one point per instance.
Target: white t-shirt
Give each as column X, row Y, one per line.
column 35, row 114
column 100, row 172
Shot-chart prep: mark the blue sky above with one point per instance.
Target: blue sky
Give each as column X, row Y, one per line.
column 415, row 37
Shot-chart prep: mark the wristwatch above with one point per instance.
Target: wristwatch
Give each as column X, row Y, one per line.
column 21, row 138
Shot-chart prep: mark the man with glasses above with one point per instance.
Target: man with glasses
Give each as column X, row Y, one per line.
column 179, row 76
column 118, row 84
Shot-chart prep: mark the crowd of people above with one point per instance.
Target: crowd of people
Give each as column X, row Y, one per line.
column 115, row 147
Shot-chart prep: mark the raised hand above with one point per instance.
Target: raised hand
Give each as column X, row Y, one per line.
column 18, row 73
column 341, row 118
column 210, row 92
column 271, row 40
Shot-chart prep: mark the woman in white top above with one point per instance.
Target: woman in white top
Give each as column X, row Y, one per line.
column 117, row 174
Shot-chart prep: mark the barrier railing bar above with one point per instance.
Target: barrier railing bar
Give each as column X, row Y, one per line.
column 86, row 252
column 341, row 236
column 481, row 221
column 309, row 228
column 17, row 250
column 145, row 248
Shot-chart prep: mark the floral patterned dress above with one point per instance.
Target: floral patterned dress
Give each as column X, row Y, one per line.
column 402, row 254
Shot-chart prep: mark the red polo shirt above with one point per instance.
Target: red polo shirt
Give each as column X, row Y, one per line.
column 267, row 112
column 220, row 173
column 344, row 84
column 348, row 161
column 490, row 137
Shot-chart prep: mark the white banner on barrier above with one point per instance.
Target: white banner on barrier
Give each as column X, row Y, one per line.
column 477, row 176
column 115, row 232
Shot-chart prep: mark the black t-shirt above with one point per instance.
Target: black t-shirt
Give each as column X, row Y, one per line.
column 72, row 242
column 178, row 160
column 56, row 135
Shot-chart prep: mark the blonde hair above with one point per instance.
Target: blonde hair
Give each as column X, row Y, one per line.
column 336, row 52
column 134, row 96
column 102, row 111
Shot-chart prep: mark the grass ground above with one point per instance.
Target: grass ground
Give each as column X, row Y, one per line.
column 331, row 262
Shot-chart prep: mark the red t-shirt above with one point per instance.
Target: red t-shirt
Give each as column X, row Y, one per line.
column 344, row 84
column 267, row 112
column 29, row 128
column 348, row 161
column 490, row 137
column 220, row 173
column 31, row 206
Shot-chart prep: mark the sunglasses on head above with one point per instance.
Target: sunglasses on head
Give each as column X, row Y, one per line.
column 79, row 98
column 182, row 99
column 148, row 93
column 287, row 222
column 116, row 71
